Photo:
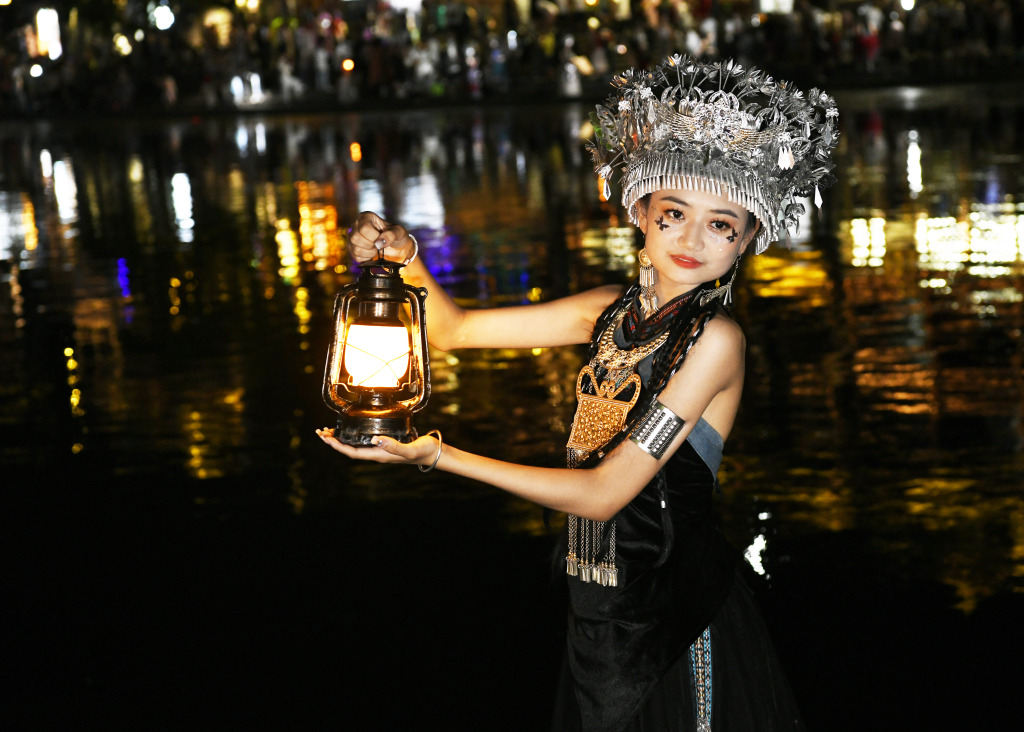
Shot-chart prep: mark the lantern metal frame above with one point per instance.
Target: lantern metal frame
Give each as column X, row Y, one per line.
column 378, row 297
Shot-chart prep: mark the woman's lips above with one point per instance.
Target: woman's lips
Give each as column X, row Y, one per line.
column 686, row 262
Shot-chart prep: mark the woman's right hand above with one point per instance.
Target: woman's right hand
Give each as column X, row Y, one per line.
column 423, row 451
column 370, row 234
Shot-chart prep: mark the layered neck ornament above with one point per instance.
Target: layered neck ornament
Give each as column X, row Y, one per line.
column 608, row 390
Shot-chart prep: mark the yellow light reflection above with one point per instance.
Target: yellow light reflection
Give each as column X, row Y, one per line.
column 173, row 296
column 868, row 237
column 941, row 242
column 75, row 398
column 987, row 244
column 994, row 239
column 17, row 298
column 28, row 223
column 800, row 274
column 320, row 238
column 237, row 191
column 612, row 248
column 140, row 200
column 301, row 309
column 287, row 251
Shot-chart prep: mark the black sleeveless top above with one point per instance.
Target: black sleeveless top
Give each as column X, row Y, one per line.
column 675, row 568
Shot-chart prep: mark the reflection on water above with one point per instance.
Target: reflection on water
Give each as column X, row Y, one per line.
column 166, row 293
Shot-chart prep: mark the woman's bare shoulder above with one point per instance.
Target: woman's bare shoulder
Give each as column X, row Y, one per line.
column 722, row 332
column 718, row 355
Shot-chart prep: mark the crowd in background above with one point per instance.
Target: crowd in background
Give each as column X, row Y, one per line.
column 358, row 53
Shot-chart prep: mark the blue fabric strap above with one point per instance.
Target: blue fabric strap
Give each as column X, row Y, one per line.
column 700, row 676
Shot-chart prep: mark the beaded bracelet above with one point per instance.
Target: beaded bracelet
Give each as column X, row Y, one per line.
column 436, row 434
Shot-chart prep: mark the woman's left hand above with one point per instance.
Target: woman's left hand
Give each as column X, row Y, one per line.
column 421, row 451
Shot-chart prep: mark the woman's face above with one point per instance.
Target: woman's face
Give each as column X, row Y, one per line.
column 692, row 237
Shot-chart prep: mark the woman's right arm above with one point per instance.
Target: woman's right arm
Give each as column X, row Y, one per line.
column 560, row 322
column 709, row 384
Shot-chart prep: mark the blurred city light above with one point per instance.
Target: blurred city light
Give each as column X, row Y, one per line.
column 46, row 164
column 181, row 202
column 48, row 33
column 370, row 195
column 422, row 206
column 941, row 243
column 162, row 17
column 915, row 179
column 242, row 139
column 65, row 191
column 121, row 44
column 754, row 554
column 868, row 242
column 261, row 138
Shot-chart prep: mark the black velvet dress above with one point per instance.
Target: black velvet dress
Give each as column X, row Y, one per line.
column 628, row 652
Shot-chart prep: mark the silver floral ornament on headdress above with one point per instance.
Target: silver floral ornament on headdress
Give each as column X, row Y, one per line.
column 719, row 128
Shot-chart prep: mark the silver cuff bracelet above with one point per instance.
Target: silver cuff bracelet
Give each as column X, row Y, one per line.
column 656, row 430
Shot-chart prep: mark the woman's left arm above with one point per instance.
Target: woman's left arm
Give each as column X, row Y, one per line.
column 712, row 371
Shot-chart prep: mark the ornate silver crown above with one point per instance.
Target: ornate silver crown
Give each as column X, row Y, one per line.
column 720, row 128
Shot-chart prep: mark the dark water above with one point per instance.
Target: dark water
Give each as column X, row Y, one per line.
column 183, row 553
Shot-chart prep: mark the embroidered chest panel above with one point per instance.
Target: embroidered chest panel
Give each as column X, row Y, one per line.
column 599, row 416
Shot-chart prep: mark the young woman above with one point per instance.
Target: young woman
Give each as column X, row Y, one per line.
column 662, row 634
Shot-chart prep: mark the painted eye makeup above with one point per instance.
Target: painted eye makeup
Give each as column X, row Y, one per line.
column 719, row 231
column 723, row 232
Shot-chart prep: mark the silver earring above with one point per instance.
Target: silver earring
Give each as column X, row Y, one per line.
column 722, row 291
column 648, row 297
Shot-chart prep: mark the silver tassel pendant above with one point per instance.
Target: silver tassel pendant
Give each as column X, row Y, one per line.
column 585, row 539
column 786, row 158
column 648, row 297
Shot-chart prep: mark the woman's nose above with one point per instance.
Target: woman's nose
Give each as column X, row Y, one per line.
column 689, row 237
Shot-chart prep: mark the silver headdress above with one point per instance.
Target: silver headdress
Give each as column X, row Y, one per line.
column 720, row 128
